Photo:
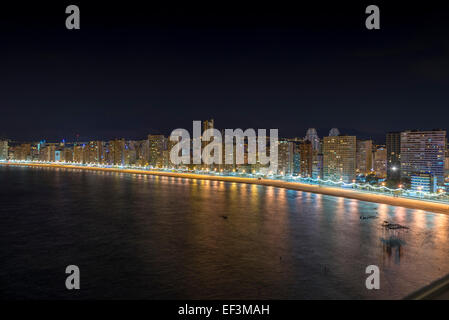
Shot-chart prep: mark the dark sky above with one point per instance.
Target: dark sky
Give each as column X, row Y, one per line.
column 133, row 69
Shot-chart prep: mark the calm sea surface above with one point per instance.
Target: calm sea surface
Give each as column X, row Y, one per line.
column 144, row 237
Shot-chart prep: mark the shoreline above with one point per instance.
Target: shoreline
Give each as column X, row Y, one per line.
column 325, row 190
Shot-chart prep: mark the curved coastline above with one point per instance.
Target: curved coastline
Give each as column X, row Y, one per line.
column 337, row 192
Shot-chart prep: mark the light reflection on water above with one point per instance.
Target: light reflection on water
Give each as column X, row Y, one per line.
column 139, row 236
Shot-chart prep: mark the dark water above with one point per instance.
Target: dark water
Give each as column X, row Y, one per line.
column 149, row 237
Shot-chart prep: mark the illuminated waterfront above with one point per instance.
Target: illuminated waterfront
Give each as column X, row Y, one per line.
column 435, row 202
column 143, row 236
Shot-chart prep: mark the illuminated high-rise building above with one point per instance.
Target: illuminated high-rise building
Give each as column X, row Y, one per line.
column 117, row 151
column 296, row 161
column 78, row 154
column 364, row 156
column 317, row 165
column 34, row 151
column 130, row 152
column 68, row 154
column 393, row 144
column 43, row 152
column 296, row 155
column 107, row 153
column 339, row 158
column 380, row 161
column 94, row 152
column 142, row 152
column 3, row 149
column 47, row 152
column 306, row 157
column 285, row 157
column 423, row 152
column 157, row 144
column 22, row 152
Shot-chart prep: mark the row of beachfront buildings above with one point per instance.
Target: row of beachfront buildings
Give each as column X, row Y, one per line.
column 413, row 158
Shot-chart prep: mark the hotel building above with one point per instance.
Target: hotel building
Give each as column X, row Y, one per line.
column 339, row 158
column 423, row 152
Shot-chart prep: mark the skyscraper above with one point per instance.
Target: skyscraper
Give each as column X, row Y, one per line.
column 157, row 146
column 285, row 157
column 364, row 156
column 117, row 152
column 142, row 152
column 380, row 161
column 296, row 158
column 317, row 165
column 339, row 158
column 423, row 152
column 94, row 152
column 393, row 143
column 78, row 154
column 3, row 149
column 68, row 154
column 130, row 152
column 306, row 158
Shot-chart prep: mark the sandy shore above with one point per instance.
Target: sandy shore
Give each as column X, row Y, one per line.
column 338, row 192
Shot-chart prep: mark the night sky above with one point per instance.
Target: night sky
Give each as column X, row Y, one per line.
column 133, row 70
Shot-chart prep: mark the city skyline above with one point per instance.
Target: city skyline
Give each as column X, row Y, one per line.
column 409, row 159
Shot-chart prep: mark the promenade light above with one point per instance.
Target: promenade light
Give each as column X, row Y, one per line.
column 439, row 194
